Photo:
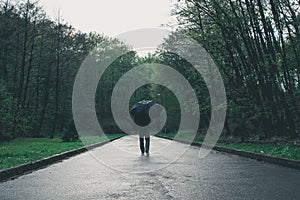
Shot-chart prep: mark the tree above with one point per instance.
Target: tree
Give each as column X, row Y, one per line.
column 247, row 40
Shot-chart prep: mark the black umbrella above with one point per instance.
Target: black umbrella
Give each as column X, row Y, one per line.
column 140, row 112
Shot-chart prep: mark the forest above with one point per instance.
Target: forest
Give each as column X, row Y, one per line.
column 255, row 44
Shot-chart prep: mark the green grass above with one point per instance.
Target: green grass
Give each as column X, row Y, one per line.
column 283, row 151
column 23, row 150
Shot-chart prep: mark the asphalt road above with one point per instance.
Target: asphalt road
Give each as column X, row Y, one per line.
column 118, row 171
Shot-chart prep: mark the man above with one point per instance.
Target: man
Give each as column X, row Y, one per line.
column 140, row 114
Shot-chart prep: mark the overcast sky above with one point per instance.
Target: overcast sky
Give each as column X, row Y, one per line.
column 110, row 17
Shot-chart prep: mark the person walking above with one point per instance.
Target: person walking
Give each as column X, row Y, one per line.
column 140, row 114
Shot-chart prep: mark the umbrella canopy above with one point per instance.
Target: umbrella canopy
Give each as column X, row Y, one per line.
column 140, row 112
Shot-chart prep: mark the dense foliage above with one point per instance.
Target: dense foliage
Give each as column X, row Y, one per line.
column 256, row 45
column 39, row 59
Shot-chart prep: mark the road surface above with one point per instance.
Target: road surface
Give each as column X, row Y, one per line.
column 122, row 173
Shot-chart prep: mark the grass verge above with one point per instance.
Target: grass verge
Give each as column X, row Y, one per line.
column 24, row 150
column 283, row 151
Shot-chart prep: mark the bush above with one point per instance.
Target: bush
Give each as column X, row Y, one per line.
column 70, row 133
column 7, row 114
column 12, row 122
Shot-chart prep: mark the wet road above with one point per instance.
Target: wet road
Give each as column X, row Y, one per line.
column 118, row 171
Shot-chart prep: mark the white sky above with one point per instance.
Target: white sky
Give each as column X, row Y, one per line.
column 110, row 17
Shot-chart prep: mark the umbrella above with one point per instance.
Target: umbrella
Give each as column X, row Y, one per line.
column 140, row 112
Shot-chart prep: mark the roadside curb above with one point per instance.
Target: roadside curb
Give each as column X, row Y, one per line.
column 256, row 156
column 22, row 169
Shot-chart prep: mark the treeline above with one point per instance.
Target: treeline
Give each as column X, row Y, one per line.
column 39, row 59
column 256, row 45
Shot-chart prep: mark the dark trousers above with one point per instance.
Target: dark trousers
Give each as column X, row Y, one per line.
column 142, row 146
